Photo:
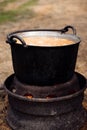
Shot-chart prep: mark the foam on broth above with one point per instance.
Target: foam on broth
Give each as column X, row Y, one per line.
column 46, row 41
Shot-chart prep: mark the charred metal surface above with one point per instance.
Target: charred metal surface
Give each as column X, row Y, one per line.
column 53, row 91
column 66, row 121
column 58, row 113
column 46, row 106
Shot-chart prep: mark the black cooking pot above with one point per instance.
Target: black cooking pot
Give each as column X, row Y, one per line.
column 43, row 65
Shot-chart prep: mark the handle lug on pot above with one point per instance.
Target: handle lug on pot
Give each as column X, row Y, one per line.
column 65, row 29
column 11, row 39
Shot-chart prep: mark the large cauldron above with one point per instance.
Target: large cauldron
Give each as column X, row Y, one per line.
column 43, row 65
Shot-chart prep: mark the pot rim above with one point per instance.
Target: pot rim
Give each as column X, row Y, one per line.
column 44, row 32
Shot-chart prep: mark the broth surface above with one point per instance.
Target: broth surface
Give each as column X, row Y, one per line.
column 46, row 41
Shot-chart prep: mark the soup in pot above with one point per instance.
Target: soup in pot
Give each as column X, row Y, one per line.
column 46, row 41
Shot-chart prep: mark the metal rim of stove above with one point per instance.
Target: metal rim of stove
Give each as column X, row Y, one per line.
column 52, row 91
column 51, row 99
column 47, row 107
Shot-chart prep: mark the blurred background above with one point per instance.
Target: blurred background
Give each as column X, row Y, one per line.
column 32, row 14
column 45, row 14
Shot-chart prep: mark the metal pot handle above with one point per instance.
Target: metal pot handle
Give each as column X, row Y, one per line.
column 11, row 39
column 65, row 29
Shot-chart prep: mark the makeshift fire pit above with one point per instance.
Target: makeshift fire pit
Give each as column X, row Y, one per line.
column 45, row 94
column 53, row 113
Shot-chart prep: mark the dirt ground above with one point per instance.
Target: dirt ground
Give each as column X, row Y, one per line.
column 48, row 14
